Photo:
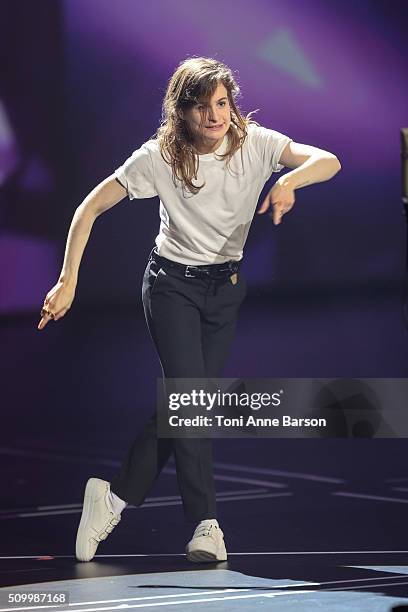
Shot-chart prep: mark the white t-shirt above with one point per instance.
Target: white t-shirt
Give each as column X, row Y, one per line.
column 211, row 226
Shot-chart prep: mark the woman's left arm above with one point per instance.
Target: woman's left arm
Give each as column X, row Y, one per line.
column 310, row 165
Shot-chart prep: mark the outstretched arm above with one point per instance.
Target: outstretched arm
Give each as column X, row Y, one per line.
column 105, row 195
column 60, row 297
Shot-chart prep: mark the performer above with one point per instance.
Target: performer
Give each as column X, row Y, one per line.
column 208, row 164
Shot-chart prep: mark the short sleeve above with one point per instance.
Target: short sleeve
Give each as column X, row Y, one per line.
column 269, row 145
column 136, row 175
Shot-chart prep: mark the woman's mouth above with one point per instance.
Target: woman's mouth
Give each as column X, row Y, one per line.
column 214, row 127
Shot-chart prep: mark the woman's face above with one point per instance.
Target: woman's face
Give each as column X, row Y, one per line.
column 209, row 121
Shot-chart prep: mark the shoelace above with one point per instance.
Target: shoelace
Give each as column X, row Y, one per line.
column 203, row 530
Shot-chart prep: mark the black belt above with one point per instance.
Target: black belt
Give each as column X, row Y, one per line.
column 219, row 271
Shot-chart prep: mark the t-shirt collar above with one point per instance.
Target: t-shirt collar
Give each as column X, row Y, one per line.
column 220, row 151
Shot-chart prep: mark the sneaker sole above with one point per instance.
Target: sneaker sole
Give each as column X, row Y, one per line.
column 82, row 547
column 206, row 556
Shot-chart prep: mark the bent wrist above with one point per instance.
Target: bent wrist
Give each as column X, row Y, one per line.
column 68, row 280
column 287, row 181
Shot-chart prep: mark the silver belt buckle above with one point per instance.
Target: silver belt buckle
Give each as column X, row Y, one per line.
column 187, row 272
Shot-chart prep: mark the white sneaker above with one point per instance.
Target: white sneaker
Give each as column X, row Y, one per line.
column 97, row 520
column 207, row 543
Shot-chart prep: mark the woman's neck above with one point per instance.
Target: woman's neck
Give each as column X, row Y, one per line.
column 204, row 148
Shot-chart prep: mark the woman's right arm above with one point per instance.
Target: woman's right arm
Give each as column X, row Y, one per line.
column 105, row 195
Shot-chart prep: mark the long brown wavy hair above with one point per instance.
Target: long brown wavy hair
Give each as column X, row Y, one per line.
column 195, row 80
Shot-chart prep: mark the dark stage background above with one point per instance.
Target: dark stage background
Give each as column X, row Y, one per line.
column 81, row 88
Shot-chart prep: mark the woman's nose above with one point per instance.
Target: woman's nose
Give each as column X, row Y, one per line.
column 212, row 114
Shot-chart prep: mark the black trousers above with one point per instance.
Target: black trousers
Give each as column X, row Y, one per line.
column 192, row 322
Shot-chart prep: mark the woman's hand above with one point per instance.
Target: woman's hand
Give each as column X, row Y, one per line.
column 282, row 199
column 57, row 301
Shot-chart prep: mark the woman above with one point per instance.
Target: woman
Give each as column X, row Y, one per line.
column 208, row 164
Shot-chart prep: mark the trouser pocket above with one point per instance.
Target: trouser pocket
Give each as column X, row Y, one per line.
column 152, row 277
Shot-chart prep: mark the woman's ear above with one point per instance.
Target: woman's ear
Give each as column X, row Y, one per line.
column 180, row 114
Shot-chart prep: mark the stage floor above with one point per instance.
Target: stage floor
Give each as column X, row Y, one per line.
column 308, row 523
